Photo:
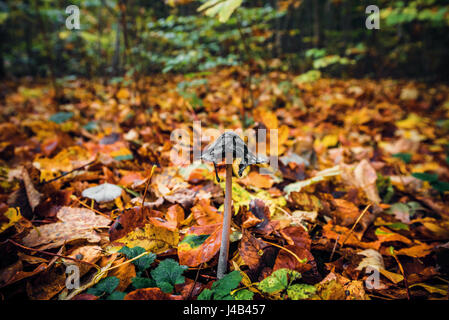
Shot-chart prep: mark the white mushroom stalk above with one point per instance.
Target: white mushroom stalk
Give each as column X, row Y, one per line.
column 228, row 146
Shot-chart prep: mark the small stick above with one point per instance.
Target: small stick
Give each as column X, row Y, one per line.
column 52, row 254
column 146, row 187
column 88, row 207
column 68, row 172
column 402, row 271
column 335, row 247
column 224, row 249
column 355, row 223
column 196, row 279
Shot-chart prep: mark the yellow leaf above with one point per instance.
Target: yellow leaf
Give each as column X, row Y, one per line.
column 123, row 93
column 441, row 289
column 13, row 215
column 329, row 140
column 411, row 122
column 151, row 238
column 393, row 277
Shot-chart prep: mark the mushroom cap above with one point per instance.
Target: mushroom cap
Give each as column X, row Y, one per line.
column 103, row 193
column 230, row 143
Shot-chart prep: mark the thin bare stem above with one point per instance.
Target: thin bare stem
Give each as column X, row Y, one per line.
column 52, row 254
column 224, row 249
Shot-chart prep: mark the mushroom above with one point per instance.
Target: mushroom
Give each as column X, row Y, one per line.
column 228, row 147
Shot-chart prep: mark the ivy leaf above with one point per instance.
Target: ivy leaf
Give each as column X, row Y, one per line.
column 141, row 283
column 117, row 295
column 105, row 286
column 300, row 291
column 167, row 274
column 142, row 263
column 278, row 281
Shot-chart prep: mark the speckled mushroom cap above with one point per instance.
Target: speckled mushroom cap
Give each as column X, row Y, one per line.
column 230, row 143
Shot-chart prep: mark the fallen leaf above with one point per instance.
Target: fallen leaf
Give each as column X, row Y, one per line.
column 151, row 294
column 75, row 224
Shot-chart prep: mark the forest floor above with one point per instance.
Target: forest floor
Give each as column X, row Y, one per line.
column 358, row 208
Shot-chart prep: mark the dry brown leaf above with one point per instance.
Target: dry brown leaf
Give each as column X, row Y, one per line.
column 75, row 224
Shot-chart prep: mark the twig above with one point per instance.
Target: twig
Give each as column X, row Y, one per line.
column 289, row 251
column 68, row 172
column 88, row 207
column 128, row 261
column 194, row 283
column 52, row 254
column 335, row 247
column 402, row 271
column 146, row 188
column 355, row 223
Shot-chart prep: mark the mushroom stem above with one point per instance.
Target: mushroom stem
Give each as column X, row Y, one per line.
column 224, row 249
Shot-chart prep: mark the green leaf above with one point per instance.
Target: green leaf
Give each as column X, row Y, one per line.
column 300, row 291
column 206, row 294
column 406, row 157
column 105, row 286
column 117, row 295
column 223, row 287
column 223, row 8
column 278, row 281
column 398, row 226
column 244, row 294
column 141, row 283
column 385, row 188
column 124, row 157
column 167, row 274
column 194, row 240
column 142, row 263
column 430, row 177
column 61, row 117
column 440, row 186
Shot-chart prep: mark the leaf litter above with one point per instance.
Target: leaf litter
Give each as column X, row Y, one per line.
column 362, row 185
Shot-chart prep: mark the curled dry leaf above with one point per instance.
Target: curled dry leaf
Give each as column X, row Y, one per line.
column 296, row 236
column 363, row 176
column 206, row 214
column 251, row 250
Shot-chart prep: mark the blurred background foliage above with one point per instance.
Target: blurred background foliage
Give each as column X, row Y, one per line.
column 312, row 37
